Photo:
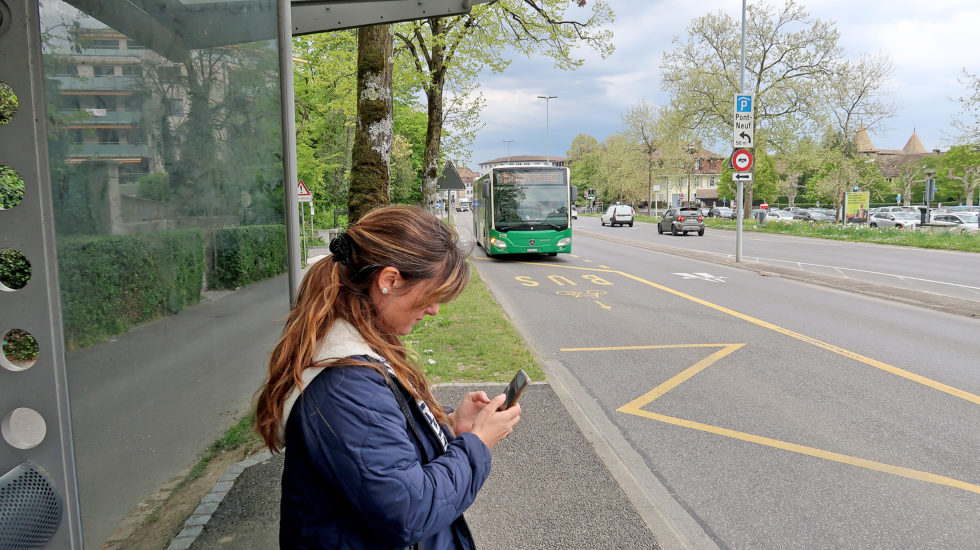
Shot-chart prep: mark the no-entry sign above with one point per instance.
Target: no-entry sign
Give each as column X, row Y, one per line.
column 742, row 160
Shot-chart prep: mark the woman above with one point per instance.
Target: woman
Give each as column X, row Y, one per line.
column 373, row 461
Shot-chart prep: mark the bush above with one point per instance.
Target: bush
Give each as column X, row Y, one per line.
column 15, row 270
column 109, row 284
column 243, row 255
column 154, row 186
column 11, row 188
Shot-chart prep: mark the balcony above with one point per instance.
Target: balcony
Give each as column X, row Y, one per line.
column 108, row 150
column 98, row 83
column 93, row 117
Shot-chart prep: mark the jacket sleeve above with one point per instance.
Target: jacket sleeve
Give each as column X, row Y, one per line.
column 356, row 432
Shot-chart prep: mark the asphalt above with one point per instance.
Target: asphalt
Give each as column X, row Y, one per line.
column 547, row 489
column 557, row 482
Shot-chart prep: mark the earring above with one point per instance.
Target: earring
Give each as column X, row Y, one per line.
column 384, row 290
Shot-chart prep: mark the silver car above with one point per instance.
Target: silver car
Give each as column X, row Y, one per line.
column 681, row 220
column 967, row 223
column 898, row 220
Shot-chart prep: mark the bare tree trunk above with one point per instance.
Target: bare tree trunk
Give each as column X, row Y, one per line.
column 370, row 181
column 433, row 129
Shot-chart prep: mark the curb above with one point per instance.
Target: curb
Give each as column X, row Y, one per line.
column 929, row 300
column 210, row 502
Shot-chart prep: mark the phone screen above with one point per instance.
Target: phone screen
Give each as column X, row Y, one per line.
column 516, row 388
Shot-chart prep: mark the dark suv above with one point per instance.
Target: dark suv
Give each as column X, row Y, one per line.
column 681, row 220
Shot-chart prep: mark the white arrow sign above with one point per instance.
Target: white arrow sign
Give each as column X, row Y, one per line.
column 741, row 176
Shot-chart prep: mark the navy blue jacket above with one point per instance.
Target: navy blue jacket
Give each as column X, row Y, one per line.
column 354, row 477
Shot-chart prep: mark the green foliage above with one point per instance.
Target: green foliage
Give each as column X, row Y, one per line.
column 960, row 173
column 19, row 345
column 243, row 255
column 109, row 284
column 15, row 270
column 11, row 188
column 946, row 240
column 154, row 187
column 8, row 103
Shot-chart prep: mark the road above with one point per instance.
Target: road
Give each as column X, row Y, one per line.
column 950, row 273
column 764, row 412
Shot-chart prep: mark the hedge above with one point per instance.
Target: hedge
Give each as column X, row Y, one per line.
column 110, row 283
column 243, row 255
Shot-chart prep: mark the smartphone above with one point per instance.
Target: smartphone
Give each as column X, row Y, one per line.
column 516, row 388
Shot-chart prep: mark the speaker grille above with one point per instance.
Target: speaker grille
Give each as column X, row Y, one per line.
column 30, row 509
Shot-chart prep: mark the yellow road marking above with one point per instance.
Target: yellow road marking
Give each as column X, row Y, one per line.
column 602, row 305
column 635, row 407
column 919, row 379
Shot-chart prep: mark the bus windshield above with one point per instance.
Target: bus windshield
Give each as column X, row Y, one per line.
column 532, row 198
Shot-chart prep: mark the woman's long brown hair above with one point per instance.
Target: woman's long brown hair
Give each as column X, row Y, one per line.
column 420, row 247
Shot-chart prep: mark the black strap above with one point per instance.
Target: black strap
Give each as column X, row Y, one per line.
column 409, row 417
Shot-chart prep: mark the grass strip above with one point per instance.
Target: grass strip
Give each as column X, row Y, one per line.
column 471, row 340
column 944, row 240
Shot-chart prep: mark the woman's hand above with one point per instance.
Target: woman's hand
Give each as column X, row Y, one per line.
column 469, row 407
column 491, row 425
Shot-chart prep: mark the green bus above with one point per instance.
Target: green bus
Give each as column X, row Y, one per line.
column 523, row 210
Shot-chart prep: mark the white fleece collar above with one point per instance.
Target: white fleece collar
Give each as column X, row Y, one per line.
column 342, row 340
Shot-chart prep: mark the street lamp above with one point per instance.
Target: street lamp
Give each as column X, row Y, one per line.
column 508, row 142
column 547, row 123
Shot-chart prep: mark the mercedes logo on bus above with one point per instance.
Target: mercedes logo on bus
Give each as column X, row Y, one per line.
column 530, row 242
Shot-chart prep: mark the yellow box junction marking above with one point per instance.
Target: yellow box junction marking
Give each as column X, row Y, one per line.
column 635, row 407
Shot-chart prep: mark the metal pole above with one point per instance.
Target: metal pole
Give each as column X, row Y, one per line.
column 290, row 178
column 547, row 124
column 508, row 142
column 741, row 191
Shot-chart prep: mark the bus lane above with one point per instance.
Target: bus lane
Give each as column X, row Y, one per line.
column 758, row 429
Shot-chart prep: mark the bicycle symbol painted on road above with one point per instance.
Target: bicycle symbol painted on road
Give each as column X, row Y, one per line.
column 581, row 294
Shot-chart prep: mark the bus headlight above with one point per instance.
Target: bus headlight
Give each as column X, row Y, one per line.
column 498, row 243
column 565, row 242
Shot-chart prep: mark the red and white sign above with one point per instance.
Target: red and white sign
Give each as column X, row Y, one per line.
column 303, row 193
column 742, row 160
column 765, row 206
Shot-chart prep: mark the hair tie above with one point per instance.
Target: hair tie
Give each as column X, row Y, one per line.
column 342, row 248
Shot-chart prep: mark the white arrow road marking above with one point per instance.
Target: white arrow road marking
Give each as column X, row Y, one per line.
column 703, row 276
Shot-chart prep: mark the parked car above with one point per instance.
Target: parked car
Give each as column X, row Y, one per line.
column 966, row 223
column 618, row 214
column 779, row 216
column 574, row 212
column 899, row 220
column 681, row 220
column 722, row 212
column 813, row 215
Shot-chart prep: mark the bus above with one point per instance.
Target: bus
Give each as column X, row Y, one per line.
column 523, row 210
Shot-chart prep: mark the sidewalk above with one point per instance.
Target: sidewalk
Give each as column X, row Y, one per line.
column 547, row 489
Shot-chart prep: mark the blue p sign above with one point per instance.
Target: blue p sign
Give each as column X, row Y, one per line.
column 743, row 103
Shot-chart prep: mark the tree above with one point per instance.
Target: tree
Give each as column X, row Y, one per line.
column 855, row 101
column 969, row 124
column 371, row 154
column 455, row 49
column 962, row 164
column 799, row 163
column 622, row 169
column 584, row 157
column 788, row 55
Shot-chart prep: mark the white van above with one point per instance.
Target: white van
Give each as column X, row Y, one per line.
column 618, row 214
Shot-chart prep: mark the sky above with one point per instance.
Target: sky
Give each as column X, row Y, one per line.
column 928, row 43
